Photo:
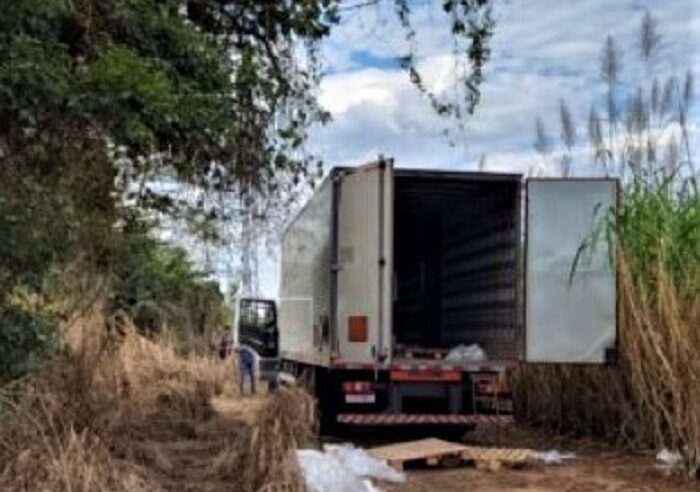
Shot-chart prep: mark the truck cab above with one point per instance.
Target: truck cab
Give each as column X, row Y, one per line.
column 256, row 327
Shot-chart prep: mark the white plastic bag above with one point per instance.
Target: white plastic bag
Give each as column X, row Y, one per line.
column 669, row 459
column 554, row 457
column 324, row 473
column 344, row 468
column 464, row 354
column 360, row 463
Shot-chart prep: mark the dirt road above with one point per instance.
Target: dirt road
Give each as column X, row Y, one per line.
column 600, row 473
column 597, row 468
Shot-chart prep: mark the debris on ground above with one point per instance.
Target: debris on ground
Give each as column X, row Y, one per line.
column 669, row 460
column 554, row 457
column 362, row 464
column 344, row 468
column 286, row 379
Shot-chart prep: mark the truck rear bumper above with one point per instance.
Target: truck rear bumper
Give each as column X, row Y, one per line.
column 388, row 419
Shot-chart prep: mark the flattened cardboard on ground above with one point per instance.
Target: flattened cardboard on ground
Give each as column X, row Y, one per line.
column 434, row 451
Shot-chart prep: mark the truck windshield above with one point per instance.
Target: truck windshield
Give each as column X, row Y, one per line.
column 258, row 326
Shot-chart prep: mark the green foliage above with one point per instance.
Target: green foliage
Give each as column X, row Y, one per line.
column 100, row 100
column 26, row 339
column 155, row 284
column 159, row 288
column 170, row 87
column 650, row 397
column 103, row 102
column 658, row 227
column 472, row 26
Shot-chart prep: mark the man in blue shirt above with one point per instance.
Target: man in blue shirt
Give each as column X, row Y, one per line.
column 246, row 367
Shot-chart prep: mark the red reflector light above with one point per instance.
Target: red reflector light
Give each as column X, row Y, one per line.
column 357, row 328
column 357, row 387
column 426, row 375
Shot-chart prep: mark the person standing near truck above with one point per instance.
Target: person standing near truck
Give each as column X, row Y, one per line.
column 225, row 345
column 246, row 367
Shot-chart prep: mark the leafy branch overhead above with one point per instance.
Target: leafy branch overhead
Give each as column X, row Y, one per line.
column 206, row 89
column 472, row 26
column 214, row 92
column 107, row 106
column 115, row 114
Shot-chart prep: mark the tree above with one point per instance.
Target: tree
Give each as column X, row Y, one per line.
column 160, row 288
column 472, row 25
column 106, row 105
column 208, row 92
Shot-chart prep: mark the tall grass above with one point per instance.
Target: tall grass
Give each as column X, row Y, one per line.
column 119, row 412
column 651, row 398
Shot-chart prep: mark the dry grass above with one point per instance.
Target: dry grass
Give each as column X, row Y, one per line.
column 118, row 412
column 278, row 433
column 652, row 398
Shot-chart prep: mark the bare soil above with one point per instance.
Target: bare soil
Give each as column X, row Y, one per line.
column 600, row 473
column 597, row 468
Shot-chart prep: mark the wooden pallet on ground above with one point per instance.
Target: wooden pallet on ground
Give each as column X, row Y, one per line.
column 495, row 458
column 432, row 451
column 438, row 452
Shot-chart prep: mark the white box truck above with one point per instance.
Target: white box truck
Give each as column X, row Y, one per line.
column 388, row 273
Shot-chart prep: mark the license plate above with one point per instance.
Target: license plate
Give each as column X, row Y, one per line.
column 364, row 398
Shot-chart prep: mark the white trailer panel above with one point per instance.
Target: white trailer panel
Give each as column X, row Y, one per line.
column 570, row 319
column 305, row 282
column 365, row 225
column 453, row 279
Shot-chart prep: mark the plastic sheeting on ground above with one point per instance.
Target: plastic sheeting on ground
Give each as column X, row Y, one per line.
column 669, row 459
column 554, row 457
column 344, row 468
column 464, row 354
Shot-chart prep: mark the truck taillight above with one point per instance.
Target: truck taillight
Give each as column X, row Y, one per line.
column 357, row 387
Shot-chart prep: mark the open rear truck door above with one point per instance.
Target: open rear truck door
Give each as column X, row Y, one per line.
column 363, row 266
column 570, row 315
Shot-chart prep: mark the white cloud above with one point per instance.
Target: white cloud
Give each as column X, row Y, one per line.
column 339, row 93
column 543, row 50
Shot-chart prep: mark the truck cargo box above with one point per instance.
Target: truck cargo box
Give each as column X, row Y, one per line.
column 386, row 264
column 456, row 262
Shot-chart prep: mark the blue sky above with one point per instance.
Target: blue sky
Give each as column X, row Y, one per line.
column 543, row 50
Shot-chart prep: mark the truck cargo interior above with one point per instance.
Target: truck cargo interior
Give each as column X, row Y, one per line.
column 455, row 262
